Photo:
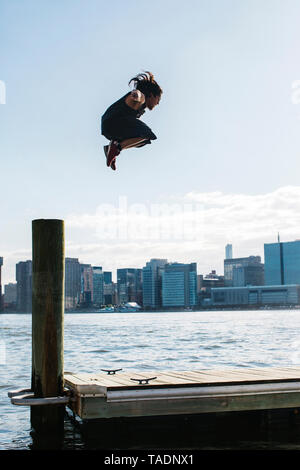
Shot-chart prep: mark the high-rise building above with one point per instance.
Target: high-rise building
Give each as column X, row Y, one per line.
column 252, row 275
column 72, row 283
column 98, row 283
column 24, row 286
column 228, row 251
column 240, row 272
column 107, row 277
column 108, row 288
column 1, row 298
column 10, row 294
column 282, row 263
column 129, row 281
column 179, row 285
column 152, row 282
column 86, row 295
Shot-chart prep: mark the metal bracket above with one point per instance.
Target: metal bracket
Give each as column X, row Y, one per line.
column 144, row 381
column 26, row 398
column 111, row 371
column 21, row 391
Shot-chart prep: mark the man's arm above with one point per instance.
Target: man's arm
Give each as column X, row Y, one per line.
column 136, row 99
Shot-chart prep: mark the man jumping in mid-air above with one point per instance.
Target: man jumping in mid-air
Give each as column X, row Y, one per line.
column 120, row 123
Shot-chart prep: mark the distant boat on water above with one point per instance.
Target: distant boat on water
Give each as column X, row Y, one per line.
column 129, row 307
column 107, row 309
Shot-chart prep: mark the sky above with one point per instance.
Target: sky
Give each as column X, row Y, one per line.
column 225, row 166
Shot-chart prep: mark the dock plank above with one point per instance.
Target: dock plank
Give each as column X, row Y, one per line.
column 100, row 395
column 101, row 382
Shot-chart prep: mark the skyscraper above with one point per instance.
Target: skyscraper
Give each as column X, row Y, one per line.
column 86, row 274
column 282, row 263
column 249, row 275
column 152, row 282
column 98, row 286
column 24, row 286
column 228, row 251
column 179, row 285
column 240, row 272
column 10, row 294
column 108, row 288
column 129, row 281
column 72, row 283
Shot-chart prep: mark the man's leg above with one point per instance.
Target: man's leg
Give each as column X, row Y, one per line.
column 113, row 149
column 133, row 142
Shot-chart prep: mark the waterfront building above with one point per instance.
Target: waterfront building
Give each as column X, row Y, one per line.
column 86, row 279
column 228, row 251
column 179, row 285
column 206, row 283
column 24, row 286
column 251, row 275
column 115, row 297
column 129, row 284
column 107, row 277
column 152, row 282
column 240, row 272
column 72, row 283
column 282, row 263
column 256, row 295
column 98, row 282
column 108, row 288
column 10, row 295
column 1, row 298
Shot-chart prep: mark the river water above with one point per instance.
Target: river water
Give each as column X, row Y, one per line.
column 147, row 342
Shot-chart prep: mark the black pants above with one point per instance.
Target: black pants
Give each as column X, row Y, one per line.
column 126, row 128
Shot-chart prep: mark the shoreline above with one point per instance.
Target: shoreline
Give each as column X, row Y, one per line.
column 174, row 310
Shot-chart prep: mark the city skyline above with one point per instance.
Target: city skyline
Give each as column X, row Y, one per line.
column 220, row 219
column 95, row 265
column 164, row 284
column 107, row 268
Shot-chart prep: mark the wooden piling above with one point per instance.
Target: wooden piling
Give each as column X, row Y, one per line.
column 48, row 265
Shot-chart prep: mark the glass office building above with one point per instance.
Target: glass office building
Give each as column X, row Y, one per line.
column 282, row 263
column 152, row 282
column 179, row 285
column 129, row 281
column 72, row 283
column 256, row 295
column 24, row 286
column 98, row 283
column 240, row 272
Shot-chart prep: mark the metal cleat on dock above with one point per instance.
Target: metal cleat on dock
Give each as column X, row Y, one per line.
column 144, row 381
column 111, row 371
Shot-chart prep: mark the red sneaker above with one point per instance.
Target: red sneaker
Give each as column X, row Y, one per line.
column 111, row 152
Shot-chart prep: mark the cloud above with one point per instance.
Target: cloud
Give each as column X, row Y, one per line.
column 192, row 228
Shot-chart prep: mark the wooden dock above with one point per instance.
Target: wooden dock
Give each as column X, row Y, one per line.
column 100, row 395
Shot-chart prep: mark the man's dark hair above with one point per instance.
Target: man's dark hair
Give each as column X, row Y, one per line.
column 146, row 84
